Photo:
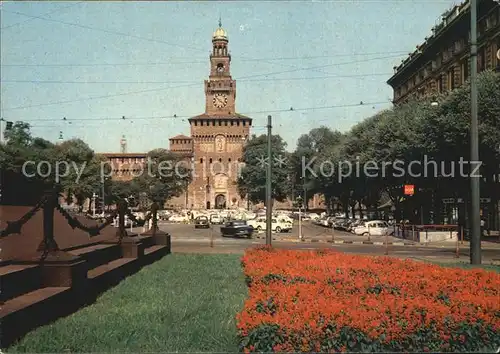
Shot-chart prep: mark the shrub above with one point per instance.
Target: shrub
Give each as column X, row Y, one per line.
column 330, row 301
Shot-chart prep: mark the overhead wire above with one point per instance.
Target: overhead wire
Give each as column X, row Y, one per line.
column 183, row 61
column 45, row 14
column 149, row 90
column 175, row 116
column 193, row 82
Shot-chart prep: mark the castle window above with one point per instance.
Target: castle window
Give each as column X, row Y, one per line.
column 220, row 123
column 210, row 161
column 201, row 160
column 229, row 159
column 220, row 160
column 238, row 123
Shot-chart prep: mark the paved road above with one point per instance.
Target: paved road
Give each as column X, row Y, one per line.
column 185, row 238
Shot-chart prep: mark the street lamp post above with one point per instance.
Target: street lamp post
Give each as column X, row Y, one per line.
column 103, row 193
column 269, row 201
column 475, row 244
column 299, row 204
column 94, row 196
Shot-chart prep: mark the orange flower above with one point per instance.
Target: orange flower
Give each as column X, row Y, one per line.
column 375, row 295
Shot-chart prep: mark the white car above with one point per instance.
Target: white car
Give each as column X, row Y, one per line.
column 276, row 225
column 374, row 228
column 178, row 218
column 215, row 219
column 313, row 216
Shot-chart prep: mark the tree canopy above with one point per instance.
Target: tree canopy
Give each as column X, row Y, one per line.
column 252, row 180
column 421, row 137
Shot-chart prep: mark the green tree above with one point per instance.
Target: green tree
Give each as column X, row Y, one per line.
column 317, row 143
column 252, row 181
column 81, row 177
column 166, row 176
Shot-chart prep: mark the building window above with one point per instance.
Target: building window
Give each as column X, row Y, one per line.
column 465, row 70
column 451, row 79
column 481, row 59
column 210, row 161
column 440, row 84
column 201, row 160
column 220, row 160
column 229, row 159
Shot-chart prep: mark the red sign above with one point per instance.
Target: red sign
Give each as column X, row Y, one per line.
column 409, row 189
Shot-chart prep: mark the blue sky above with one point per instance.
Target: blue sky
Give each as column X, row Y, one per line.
column 94, row 62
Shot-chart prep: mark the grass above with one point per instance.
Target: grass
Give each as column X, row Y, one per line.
column 182, row 303
column 461, row 264
column 488, row 267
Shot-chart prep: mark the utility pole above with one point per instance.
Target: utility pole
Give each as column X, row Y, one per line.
column 299, row 204
column 475, row 242
column 269, row 201
column 94, row 196
column 1, row 130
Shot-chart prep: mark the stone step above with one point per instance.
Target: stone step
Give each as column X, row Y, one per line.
column 107, row 268
column 17, row 279
column 98, row 254
column 36, row 308
column 25, row 308
column 147, row 240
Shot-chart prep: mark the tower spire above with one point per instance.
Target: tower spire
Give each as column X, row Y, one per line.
column 220, row 22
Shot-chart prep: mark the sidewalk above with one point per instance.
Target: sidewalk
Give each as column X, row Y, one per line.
column 375, row 240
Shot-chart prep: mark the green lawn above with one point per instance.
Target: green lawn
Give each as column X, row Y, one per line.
column 489, row 267
column 182, row 303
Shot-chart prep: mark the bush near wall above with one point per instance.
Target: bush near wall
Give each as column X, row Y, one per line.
column 333, row 302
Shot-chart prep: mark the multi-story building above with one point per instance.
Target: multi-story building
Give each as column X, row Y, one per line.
column 215, row 147
column 441, row 63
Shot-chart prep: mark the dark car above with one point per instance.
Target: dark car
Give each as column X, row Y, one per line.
column 201, row 222
column 236, row 228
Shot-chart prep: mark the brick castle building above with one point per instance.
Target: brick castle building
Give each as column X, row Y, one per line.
column 441, row 63
column 215, row 146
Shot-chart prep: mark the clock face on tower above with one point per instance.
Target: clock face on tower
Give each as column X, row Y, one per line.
column 220, row 100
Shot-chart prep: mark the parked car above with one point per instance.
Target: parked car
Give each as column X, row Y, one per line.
column 313, row 216
column 277, row 225
column 215, row 219
column 201, row 222
column 341, row 224
column 236, row 228
column 374, row 228
column 355, row 224
column 178, row 218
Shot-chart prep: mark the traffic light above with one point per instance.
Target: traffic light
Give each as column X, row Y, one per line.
column 8, row 126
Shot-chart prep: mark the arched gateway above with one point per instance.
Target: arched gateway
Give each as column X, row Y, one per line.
column 220, row 201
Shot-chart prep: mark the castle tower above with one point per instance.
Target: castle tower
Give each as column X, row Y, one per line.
column 218, row 135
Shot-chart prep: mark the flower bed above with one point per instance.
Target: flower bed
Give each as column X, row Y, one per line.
column 333, row 302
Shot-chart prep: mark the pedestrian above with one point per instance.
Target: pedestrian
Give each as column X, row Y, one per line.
column 482, row 227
